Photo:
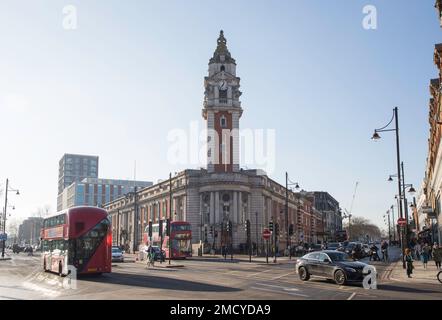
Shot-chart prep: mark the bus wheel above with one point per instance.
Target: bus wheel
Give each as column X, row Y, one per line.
column 60, row 269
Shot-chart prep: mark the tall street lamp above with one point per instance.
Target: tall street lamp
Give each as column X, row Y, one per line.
column 4, row 213
column 411, row 191
column 296, row 184
column 375, row 137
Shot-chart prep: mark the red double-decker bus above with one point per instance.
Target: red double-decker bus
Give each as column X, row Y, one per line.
column 180, row 237
column 79, row 237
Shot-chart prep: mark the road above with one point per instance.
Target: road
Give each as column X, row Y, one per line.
column 22, row 278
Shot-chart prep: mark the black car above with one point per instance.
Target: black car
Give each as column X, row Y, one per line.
column 330, row 264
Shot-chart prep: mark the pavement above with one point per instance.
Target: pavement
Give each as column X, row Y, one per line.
column 419, row 276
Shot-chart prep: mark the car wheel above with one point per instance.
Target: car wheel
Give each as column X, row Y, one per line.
column 303, row 274
column 60, row 269
column 44, row 265
column 340, row 277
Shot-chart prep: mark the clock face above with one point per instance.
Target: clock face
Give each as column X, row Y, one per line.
column 222, row 85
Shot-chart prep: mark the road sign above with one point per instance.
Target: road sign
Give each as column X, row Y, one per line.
column 401, row 221
column 266, row 234
column 3, row 237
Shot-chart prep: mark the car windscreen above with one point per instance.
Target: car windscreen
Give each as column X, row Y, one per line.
column 339, row 256
column 116, row 250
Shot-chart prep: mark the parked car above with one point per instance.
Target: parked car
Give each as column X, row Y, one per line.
column 160, row 255
column 330, row 264
column 17, row 248
column 314, row 247
column 117, row 254
column 332, row 245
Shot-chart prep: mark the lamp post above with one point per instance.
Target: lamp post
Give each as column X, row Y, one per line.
column 4, row 213
column 411, row 191
column 296, row 184
column 394, row 229
column 375, row 137
column 389, row 226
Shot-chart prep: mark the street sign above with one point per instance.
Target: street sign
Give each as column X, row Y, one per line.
column 401, row 221
column 3, row 237
column 266, row 234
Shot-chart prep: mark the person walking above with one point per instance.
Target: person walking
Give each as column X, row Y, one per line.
column 425, row 254
column 437, row 255
column 418, row 250
column 409, row 261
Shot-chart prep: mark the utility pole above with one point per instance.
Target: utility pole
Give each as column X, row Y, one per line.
column 394, row 229
column 170, row 215
column 287, row 212
column 4, row 217
column 257, row 233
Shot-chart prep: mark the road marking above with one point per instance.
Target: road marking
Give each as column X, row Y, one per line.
column 281, row 292
column 275, row 286
column 352, row 296
column 282, row 276
column 254, row 274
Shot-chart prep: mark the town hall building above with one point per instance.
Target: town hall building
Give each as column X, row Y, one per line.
column 223, row 193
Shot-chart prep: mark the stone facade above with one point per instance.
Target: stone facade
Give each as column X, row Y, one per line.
column 209, row 198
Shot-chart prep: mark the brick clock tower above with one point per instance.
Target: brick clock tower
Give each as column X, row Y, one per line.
column 222, row 110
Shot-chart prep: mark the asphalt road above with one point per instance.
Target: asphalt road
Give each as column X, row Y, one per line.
column 22, row 278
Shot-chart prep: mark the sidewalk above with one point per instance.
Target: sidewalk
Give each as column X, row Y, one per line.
column 134, row 257
column 419, row 275
column 242, row 258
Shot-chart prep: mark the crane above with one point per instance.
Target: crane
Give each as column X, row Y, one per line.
column 348, row 213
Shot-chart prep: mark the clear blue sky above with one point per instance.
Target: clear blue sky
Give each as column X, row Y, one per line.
column 133, row 71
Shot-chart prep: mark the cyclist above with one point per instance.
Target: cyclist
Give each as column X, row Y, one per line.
column 150, row 256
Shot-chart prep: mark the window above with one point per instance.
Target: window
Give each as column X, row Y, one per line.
column 223, row 96
column 223, row 122
column 223, row 68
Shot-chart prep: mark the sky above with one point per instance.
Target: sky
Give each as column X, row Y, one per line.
column 132, row 72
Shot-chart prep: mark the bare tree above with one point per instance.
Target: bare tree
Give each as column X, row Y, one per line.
column 361, row 229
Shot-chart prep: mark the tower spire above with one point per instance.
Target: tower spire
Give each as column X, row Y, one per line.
column 221, row 50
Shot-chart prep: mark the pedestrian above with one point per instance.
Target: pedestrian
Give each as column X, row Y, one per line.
column 417, row 250
column 437, row 255
column 425, row 254
column 409, row 261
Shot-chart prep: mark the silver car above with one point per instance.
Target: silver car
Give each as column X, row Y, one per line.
column 117, row 255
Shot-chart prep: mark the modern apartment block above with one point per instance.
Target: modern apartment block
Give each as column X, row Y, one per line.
column 96, row 192
column 76, row 167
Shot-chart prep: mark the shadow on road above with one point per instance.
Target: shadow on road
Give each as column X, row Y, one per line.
column 389, row 287
column 156, row 282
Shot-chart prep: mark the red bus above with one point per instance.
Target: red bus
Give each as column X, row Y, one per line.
column 180, row 235
column 79, row 237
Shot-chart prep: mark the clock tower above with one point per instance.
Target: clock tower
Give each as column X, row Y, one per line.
column 222, row 110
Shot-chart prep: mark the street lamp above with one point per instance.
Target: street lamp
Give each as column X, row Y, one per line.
column 4, row 213
column 287, row 184
column 375, row 137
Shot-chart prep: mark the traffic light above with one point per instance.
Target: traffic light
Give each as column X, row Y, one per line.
column 248, row 228
column 271, row 226
column 228, row 226
column 291, row 230
column 150, row 229
column 211, row 230
column 168, row 227
column 161, row 228
column 277, row 229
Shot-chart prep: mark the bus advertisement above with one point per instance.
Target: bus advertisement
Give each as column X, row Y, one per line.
column 180, row 235
column 79, row 237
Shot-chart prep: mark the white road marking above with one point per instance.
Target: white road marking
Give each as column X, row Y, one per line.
column 283, row 275
column 352, row 296
column 275, row 286
column 254, row 274
column 281, row 292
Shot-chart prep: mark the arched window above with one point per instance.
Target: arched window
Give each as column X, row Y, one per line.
column 223, row 68
column 223, row 122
